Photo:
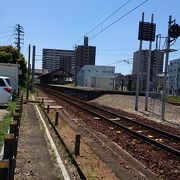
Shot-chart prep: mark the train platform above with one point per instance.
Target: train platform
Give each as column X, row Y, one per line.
column 34, row 160
column 86, row 93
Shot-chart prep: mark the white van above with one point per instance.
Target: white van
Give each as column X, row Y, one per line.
column 5, row 90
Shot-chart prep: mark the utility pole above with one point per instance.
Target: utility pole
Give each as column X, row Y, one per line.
column 165, row 70
column 33, row 65
column 19, row 32
column 27, row 88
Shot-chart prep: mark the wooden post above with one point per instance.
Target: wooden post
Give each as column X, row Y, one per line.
column 9, row 142
column 48, row 108
column 17, row 110
column 77, row 145
column 14, row 128
column 16, row 117
column 56, row 118
column 12, row 165
column 19, row 105
column 4, row 166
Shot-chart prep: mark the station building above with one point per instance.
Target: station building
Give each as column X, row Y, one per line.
column 97, row 77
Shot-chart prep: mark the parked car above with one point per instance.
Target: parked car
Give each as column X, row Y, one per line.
column 5, row 90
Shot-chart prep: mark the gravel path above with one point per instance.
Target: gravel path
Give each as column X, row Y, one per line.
column 127, row 103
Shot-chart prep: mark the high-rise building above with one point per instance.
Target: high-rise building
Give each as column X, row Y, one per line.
column 174, row 76
column 58, row 59
column 85, row 55
column 156, row 67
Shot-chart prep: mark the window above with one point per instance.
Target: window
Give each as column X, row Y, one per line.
column 8, row 81
column 2, row 83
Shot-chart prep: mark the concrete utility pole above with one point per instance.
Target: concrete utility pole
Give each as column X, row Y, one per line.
column 20, row 34
column 148, row 70
column 27, row 88
column 165, row 70
column 138, row 71
column 178, row 82
column 33, row 65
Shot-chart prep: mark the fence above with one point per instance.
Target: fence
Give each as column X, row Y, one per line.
column 8, row 161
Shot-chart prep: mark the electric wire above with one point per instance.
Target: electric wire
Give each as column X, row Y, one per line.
column 119, row 19
column 10, row 38
column 5, row 36
column 108, row 17
column 127, row 61
column 127, row 2
column 7, row 27
column 123, row 49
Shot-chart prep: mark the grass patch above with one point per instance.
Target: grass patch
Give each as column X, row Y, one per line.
column 4, row 124
column 174, row 99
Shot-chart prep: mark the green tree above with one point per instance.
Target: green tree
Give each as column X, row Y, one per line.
column 9, row 54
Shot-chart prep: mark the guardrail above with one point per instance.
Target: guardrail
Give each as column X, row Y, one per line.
column 8, row 161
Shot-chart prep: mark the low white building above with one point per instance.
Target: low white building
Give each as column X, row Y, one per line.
column 174, row 77
column 97, row 77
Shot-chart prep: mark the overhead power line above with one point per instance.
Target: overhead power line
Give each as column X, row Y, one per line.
column 4, row 28
column 104, row 20
column 9, row 39
column 119, row 19
column 127, row 61
column 5, row 36
column 108, row 17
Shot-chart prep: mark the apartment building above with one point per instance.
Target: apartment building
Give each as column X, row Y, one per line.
column 174, row 76
column 85, row 55
column 156, row 67
column 58, row 59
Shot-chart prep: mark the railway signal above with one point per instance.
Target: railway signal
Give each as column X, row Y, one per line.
column 174, row 31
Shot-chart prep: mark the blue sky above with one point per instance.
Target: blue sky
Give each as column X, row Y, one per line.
column 61, row 23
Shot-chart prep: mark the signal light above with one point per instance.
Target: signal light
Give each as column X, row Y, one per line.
column 174, row 31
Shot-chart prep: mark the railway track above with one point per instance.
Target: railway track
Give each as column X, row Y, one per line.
column 164, row 140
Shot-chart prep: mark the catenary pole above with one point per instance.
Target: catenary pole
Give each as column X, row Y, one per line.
column 27, row 88
column 165, row 71
column 148, row 70
column 138, row 71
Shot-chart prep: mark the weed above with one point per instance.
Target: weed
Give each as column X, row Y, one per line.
column 4, row 124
